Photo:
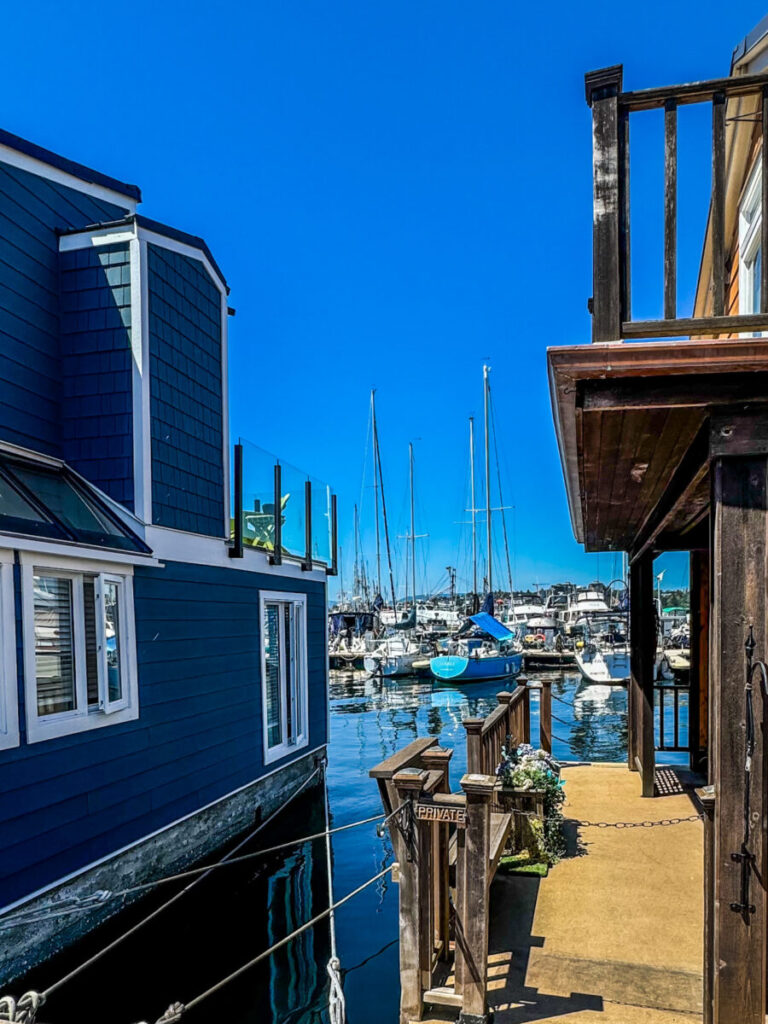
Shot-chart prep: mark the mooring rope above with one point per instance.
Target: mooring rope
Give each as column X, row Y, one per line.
column 83, row 903
column 337, row 1008
column 178, row 1010
column 26, row 1008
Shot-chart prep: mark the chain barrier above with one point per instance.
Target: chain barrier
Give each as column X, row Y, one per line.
column 661, row 822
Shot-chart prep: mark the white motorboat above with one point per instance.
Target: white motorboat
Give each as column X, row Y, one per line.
column 396, row 655
column 608, row 667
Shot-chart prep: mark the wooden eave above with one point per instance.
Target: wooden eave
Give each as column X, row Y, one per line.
column 629, row 417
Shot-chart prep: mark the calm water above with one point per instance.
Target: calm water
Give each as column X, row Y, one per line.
column 240, row 911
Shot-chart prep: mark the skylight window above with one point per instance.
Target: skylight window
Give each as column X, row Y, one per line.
column 51, row 502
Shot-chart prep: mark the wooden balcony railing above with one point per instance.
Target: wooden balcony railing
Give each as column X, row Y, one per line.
column 611, row 300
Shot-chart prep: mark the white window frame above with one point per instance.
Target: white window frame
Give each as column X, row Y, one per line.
column 9, row 701
column 81, row 718
column 299, row 603
column 750, row 231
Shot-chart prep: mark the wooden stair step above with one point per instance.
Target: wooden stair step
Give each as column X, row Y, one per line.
column 442, row 996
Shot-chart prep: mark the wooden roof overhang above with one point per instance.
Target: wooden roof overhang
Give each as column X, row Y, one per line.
column 632, row 423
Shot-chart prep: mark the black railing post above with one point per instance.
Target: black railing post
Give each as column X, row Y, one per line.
column 276, row 557
column 602, row 90
column 334, row 567
column 306, row 565
column 236, row 551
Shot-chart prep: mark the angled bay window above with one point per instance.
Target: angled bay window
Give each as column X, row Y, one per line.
column 283, row 673
column 79, row 646
column 48, row 501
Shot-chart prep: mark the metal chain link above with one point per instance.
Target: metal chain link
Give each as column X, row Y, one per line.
column 663, row 822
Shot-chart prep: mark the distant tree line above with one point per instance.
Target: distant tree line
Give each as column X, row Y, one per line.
column 675, row 599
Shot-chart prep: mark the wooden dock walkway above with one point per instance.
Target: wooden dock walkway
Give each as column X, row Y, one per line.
column 613, row 934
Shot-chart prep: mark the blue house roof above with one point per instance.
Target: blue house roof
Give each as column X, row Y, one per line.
column 68, row 166
column 194, row 241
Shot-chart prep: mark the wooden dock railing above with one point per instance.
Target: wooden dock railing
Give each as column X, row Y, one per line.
column 448, row 846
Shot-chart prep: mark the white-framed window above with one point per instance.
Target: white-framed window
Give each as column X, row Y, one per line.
column 284, row 688
column 750, row 248
column 9, row 704
column 79, row 645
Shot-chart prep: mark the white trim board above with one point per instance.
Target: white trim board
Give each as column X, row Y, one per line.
column 41, row 169
column 195, row 548
column 9, row 700
column 23, row 900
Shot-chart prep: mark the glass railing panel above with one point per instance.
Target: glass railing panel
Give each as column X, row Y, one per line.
column 292, row 504
column 321, row 522
column 258, row 511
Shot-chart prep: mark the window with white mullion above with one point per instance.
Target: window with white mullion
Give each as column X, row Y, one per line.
column 284, row 675
column 79, row 649
column 113, row 660
column 750, row 243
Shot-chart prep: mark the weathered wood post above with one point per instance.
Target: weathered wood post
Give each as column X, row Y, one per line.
column 472, row 928
column 522, row 681
column 706, row 799
column 545, row 715
column 415, row 897
column 642, row 638
column 438, row 759
column 608, row 231
column 699, row 672
column 505, row 697
column 739, row 451
column 474, row 728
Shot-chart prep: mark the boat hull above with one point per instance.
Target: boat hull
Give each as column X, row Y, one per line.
column 455, row 668
column 612, row 668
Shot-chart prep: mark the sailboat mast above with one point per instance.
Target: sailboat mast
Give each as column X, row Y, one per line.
column 472, row 502
column 413, row 529
column 486, row 371
column 356, row 578
column 384, row 515
column 376, row 492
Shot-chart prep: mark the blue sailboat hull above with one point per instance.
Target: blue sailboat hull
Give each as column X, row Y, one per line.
column 455, row 668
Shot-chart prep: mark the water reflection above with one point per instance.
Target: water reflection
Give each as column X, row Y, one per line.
column 240, row 911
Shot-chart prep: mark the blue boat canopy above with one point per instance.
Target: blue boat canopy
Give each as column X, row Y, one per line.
column 491, row 626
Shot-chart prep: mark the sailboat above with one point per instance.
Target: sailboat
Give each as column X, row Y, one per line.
column 491, row 652
column 396, row 654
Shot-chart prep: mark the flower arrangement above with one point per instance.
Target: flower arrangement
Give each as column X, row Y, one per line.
column 525, row 768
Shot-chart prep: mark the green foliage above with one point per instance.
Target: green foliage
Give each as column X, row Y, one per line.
column 526, row 768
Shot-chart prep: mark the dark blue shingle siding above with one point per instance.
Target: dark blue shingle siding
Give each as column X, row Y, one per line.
column 31, row 209
column 185, row 394
column 97, row 412
column 69, row 801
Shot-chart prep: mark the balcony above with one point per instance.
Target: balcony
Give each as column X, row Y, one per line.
column 281, row 510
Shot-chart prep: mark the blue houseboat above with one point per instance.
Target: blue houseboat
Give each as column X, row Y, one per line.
column 163, row 663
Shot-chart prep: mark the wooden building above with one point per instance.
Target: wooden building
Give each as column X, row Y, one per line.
column 664, row 447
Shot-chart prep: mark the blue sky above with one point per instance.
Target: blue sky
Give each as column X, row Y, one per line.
column 396, row 192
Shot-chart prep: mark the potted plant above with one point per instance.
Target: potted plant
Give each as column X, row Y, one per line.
column 531, row 787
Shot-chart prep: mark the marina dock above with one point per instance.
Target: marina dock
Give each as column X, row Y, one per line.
column 613, row 932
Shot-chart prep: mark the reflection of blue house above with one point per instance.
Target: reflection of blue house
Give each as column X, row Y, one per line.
column 156, row 693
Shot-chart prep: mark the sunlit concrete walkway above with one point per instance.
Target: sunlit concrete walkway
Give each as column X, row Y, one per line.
column 614, row 933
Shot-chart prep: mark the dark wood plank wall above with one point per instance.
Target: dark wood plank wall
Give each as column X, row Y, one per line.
column 69, row 801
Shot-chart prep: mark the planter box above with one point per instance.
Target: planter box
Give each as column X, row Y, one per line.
column 529, row 801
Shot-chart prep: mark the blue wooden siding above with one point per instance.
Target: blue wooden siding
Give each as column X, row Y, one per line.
column 31, row 209
column 66, row 802
column 97, row 418
column 185, row 394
